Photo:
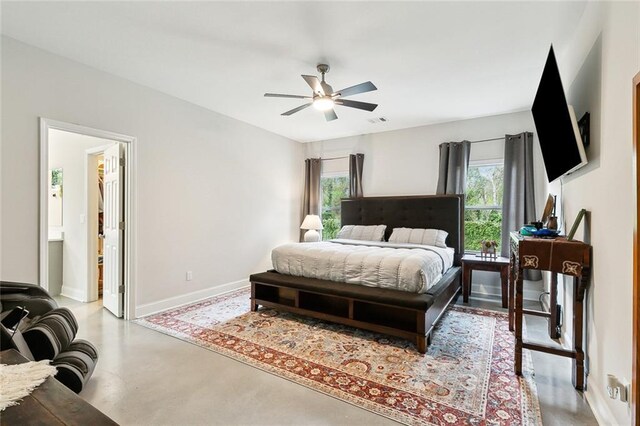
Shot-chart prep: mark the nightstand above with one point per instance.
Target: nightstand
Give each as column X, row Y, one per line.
column 472, row 262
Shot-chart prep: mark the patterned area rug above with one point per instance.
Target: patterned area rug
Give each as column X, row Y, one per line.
column 466, row 378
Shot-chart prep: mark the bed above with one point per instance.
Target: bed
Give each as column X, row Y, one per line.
column 407, row 314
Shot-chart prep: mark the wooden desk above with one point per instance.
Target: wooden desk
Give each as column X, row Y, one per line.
column 560, row 257
column 51, row 403
column 471, row 262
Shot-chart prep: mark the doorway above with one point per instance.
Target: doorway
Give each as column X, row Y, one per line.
column 86, row 215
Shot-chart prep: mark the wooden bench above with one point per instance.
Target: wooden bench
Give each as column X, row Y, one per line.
column 407, row 315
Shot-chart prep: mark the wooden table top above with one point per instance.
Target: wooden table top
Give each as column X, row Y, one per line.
column 474, row 258
column 51, row 403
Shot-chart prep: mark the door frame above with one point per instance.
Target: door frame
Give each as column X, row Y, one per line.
column 130, row 214
column 635, row 380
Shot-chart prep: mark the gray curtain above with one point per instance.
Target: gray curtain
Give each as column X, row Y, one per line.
column 518, row 200
column 452, row 172
column 355, row 175
column 311, row 201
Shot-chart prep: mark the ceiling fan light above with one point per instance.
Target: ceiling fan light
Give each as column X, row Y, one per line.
column 323, row 103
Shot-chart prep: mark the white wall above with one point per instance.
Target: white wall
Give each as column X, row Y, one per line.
column 214, row 194
column 67, row 151
column 599, row 69
column 405, row 162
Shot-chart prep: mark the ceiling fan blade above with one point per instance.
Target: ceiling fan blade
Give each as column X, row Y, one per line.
column 300, row 108
column 330, row 115
column 326, row 88
column 356, row 104
column 314, row 83
column 358, row 88
column 278, row 95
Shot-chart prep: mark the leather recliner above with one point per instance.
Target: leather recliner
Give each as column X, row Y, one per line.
column 48, row 332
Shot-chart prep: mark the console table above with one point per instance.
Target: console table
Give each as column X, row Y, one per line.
column 559, row 256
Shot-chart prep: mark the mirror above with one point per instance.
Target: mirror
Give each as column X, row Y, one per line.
column 55, row 197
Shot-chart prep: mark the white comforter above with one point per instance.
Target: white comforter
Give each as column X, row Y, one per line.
column 407, row 267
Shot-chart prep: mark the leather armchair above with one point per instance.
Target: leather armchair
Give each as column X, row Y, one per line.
column 14, row 294
column 47, row 333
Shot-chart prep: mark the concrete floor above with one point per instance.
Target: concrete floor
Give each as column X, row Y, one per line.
column 144, row 377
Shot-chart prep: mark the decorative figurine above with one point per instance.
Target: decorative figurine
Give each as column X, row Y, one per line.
column 489, row 249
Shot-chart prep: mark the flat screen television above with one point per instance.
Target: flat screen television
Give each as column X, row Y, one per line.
column 556, row 125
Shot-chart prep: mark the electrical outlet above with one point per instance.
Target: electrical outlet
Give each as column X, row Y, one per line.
column 627, row 391
column 617, row 389
column 189, row 275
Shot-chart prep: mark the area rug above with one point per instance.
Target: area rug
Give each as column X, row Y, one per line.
column 466, row 377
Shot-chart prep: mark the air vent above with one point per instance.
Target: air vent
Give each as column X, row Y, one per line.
column 377, row 120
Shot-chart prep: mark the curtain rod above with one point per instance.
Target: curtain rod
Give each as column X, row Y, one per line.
column 501, row 138
column 334, row 158
column 488, row 140
column 505, row 137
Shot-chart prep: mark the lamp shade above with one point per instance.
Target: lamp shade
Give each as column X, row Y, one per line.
column 312, row 221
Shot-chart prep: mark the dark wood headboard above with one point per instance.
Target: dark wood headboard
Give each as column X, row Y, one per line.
column 444, row 212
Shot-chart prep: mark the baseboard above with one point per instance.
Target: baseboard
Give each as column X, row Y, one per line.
column 73, row 293
column 185, row 299
column 531, row 292
column 597, row 401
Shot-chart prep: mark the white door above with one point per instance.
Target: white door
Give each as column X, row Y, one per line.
column 113, row 280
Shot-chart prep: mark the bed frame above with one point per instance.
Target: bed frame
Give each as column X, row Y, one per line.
column 403, row 314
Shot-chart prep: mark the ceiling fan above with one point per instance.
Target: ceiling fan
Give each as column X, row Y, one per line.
column 324, row 98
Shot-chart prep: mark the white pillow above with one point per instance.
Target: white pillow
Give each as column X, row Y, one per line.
column 429, row 237
column 362, row 232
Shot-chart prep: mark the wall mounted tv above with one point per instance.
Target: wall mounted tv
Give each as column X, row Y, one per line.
column 555, row 120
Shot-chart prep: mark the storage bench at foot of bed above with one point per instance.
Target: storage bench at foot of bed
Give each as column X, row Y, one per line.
column 407, row 315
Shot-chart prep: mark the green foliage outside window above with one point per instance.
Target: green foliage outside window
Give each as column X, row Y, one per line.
column 483, row 201
column 333, row 190
column 481, row 225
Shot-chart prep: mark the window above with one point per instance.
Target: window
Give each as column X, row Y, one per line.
column 333, row 188
column 483, row 203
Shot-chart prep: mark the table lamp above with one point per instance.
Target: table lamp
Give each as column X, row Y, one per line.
column 312, row 223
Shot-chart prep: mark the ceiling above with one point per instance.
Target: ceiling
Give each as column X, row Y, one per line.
column 431, row 61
